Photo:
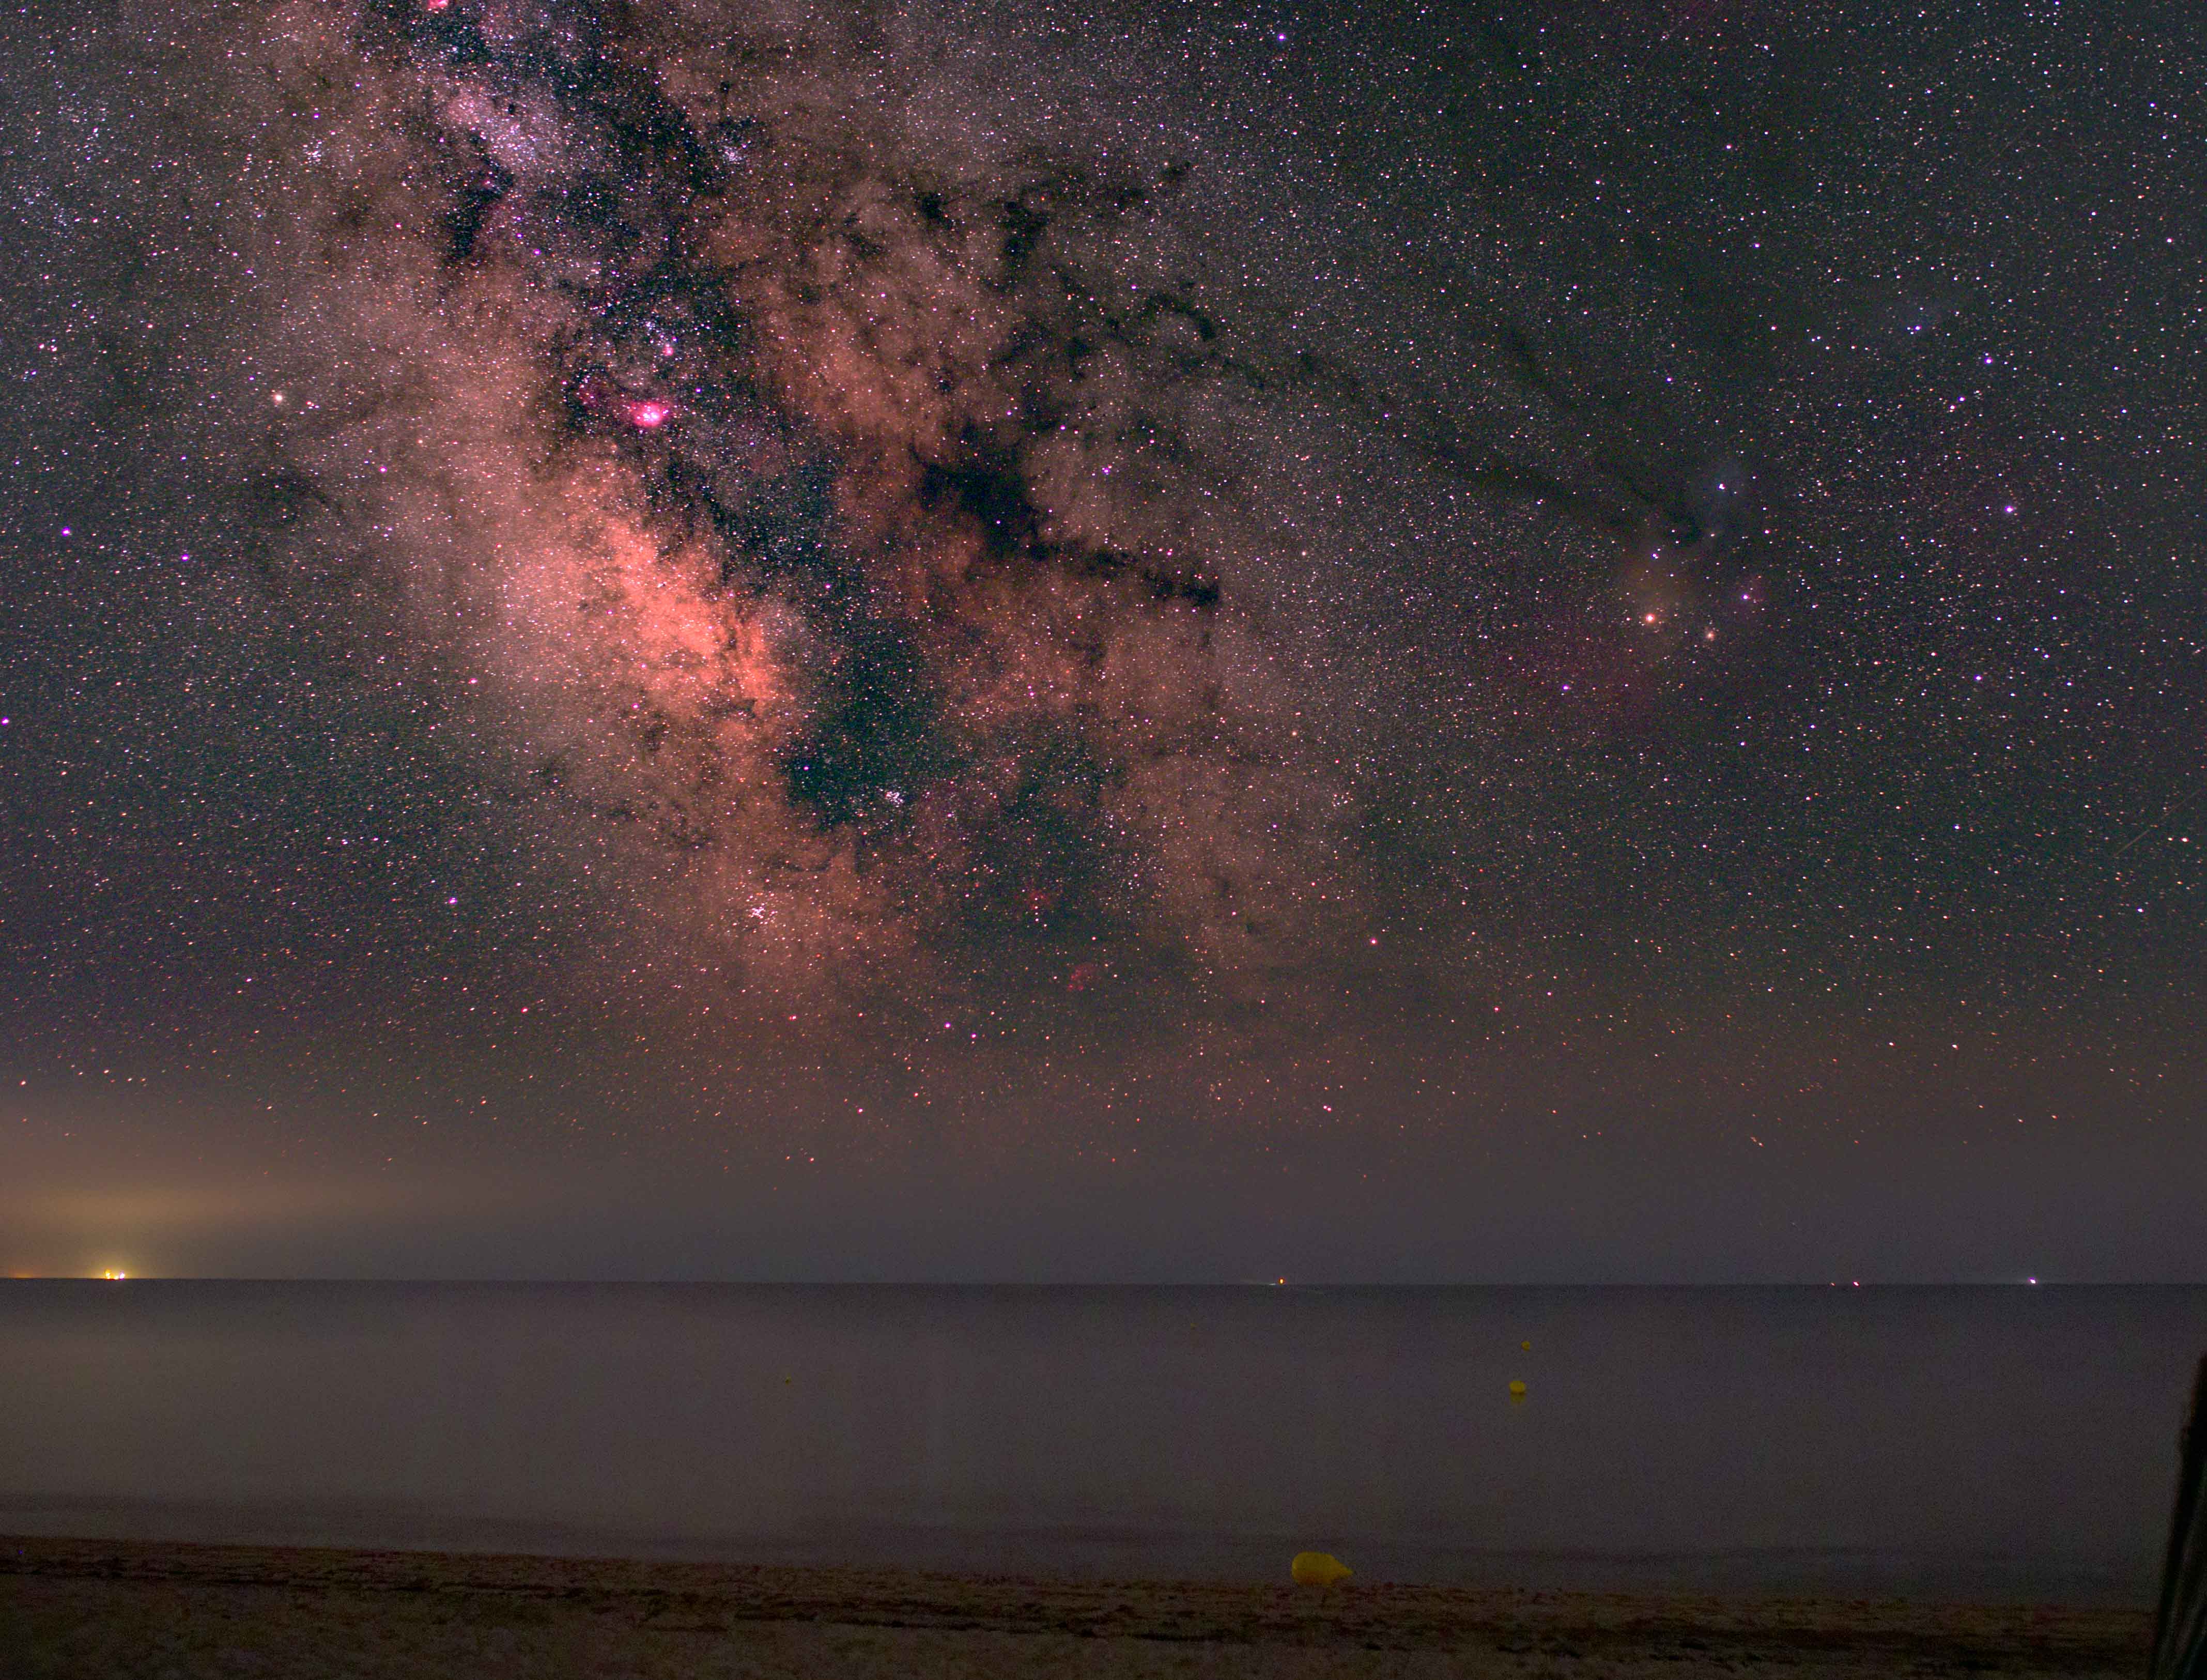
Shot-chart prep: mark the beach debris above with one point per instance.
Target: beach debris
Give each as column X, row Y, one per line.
column 1318, row 1569
column 2179, row 1630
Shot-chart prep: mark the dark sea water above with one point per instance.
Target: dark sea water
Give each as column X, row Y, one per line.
column 1932, row 1443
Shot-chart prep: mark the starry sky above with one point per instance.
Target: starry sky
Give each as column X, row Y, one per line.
column 976, row 638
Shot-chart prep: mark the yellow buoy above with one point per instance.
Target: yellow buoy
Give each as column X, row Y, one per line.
column 1517, row 1390
column 1318, row 1569
column 1527, row 1346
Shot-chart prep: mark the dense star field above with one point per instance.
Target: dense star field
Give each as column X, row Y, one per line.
column 767, row 597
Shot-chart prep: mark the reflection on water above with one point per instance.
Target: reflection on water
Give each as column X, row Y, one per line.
column 1936, row 1443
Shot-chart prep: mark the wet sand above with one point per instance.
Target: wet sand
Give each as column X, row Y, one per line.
column 87, row 1608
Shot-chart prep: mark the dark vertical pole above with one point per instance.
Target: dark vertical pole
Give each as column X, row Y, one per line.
column 2179, row 1630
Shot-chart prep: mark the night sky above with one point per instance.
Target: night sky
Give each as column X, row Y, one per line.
column 1029, row 642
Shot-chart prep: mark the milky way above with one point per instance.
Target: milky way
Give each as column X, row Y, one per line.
column 877, row 536
column 1377, row 572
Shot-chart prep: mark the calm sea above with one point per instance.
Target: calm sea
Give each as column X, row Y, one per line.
column 1935, row 1443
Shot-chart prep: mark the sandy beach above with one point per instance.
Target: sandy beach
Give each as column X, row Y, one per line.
column 72, row 1608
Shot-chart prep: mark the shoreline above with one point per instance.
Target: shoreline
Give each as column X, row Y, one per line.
column 70, row 1607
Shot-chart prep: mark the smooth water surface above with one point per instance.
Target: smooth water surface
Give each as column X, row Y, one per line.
column 1963, row 1443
